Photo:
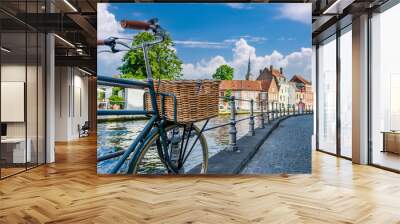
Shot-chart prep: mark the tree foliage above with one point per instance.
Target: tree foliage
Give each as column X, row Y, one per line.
column 163, row 60
column 116, row 100
column 227, row 95
column 223, row 72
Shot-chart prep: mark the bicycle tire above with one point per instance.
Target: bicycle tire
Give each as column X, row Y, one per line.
column 140, row 154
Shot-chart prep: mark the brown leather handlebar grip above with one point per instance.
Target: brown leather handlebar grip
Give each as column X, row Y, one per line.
column 137, row 25
column 100, row 42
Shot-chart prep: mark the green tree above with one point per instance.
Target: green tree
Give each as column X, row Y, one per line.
column 162, row 57
column 116, row 90
column 116, row 100
column 101, row 94
column 223, row 72
column 227, row 95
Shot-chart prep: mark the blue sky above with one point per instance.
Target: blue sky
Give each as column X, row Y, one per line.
column 208, row 35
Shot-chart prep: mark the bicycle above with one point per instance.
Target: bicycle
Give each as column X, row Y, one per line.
column 171, row 141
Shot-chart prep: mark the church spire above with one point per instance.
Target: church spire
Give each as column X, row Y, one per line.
column 248, row 70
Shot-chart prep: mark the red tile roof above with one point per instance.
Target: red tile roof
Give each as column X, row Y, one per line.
column 247, row 85
column 266, row 74
column 277, row 73
column 240, row 85
column 299, row 78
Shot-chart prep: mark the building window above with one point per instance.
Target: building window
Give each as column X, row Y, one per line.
column 346, row 92
column 385, row 88
column 327, row 95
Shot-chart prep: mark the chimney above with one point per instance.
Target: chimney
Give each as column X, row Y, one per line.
column 270, row 68
column 281, row 70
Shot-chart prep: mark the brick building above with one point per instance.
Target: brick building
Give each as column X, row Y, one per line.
column 304, row 90
column 246, row 89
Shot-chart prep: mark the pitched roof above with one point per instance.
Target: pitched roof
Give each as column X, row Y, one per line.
column 266, row 84
column 264, row 75
column 240, row 85
column 299, row 78
column 277, row 73
column 267, row 74
column 247, row 85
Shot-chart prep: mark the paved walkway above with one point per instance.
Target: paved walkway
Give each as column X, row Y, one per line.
column 287, row 149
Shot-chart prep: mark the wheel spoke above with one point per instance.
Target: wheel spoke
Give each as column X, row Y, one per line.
column 182, row 155
column 169, row 159
column 195, row 141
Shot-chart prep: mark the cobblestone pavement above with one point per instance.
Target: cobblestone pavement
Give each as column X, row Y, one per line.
column 287, row 149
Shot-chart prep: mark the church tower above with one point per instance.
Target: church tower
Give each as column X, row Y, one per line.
column 248, row 74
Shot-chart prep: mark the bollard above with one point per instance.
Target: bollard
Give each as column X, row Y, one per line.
column 232, row 128
column 262, row 114
column 251, row 120
column 293, row 109
column 267, row 108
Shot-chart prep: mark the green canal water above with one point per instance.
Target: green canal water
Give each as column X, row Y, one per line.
column 118, row 135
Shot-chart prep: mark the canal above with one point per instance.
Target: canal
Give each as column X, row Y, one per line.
column 118, row 135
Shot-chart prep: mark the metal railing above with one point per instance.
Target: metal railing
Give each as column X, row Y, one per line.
column 269, row 111
column 107, row 105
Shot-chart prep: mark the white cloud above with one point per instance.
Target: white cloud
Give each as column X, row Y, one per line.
column 300, row 12
column 203, row 69
column 286, row 39
column 108, row 26
column 248, row 38
column 239, row 5
column 218, row 45
column 201, row 44
column 298, row 62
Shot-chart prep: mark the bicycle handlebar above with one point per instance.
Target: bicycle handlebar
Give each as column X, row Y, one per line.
column 100, row 42
column 152, row 24
column 137, row 25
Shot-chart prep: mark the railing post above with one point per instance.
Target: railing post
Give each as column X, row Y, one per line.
column 232, row 128
column 262, row 113
column 277, row 110
column 251, row 120
column 272, row 110
column 283, row 109
column 287, row 110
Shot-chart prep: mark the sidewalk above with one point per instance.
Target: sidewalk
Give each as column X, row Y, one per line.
column 228, row 162
column 287, row 150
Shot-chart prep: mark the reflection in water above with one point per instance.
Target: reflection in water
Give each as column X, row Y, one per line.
column 115, row 136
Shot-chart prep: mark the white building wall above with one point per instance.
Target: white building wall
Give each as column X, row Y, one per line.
column 134, row 98
column 71, row 102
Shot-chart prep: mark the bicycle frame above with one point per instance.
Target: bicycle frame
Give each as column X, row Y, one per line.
column 156, row 123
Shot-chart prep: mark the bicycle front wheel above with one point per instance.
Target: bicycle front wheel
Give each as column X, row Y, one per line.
column 185, row 152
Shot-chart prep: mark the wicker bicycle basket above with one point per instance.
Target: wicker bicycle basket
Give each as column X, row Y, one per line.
column 196, row 100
